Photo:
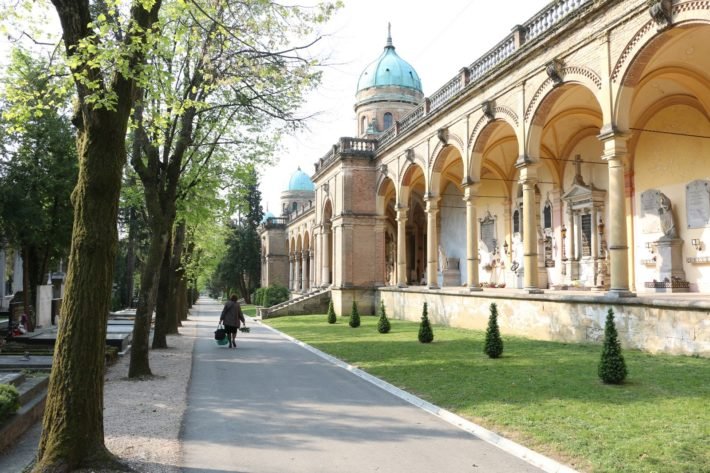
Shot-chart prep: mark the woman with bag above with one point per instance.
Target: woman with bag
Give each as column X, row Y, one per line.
column 232, row 317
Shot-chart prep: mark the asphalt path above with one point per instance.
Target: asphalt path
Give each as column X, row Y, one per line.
column 270, row 406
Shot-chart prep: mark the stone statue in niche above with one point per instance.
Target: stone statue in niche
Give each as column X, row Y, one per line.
column 665, row 212
column 443, row 262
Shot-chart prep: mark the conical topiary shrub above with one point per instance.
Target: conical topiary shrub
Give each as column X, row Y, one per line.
column 494, row 344
column 354, row 316
column 426, row 334
column 612, row 368
column 383, row 324
column 331, row 313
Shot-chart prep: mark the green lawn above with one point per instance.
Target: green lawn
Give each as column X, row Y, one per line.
column 545, row 395
column 249, row 310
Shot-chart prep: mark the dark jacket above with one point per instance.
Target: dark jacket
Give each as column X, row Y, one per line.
column 232, row 314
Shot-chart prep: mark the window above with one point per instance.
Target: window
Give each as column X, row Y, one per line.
column 516, row 221
column 547, row 216
column 294, row 206
column 388, row 120
column 363, row 125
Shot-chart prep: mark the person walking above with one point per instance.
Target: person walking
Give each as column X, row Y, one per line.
column 232, row 317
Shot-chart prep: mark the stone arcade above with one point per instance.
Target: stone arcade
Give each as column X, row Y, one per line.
column 565, row 171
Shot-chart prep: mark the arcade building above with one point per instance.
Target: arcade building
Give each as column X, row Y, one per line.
column 563, row 173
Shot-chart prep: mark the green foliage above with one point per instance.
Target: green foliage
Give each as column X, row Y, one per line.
column 494, row 344
column 426, row 334
column 354, row 321
column 612, row 367
column 331, row 313
column 38, row 168
column 9, row 400
column 272, row 295
column 383, row 323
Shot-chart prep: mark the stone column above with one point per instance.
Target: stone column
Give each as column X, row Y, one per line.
column 311, row 269
column 325, row 256
column 17, row 273
column 614, row 153
column 291, row 283
column 432, row 243
column 402, row 246
column 571, row 231
column 469, row 197
column 528, row 178
column 297, row 271
column 305, row 258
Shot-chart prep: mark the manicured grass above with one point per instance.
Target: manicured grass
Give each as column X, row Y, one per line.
column 545, row 395
column 249, row 310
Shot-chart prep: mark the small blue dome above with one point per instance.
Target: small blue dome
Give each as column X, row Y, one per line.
column 267, row 216
column 300, row 182
column 389, row 70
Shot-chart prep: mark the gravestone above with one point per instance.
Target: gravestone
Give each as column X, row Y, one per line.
column 697, row 204
column 488, row 232
column 650, row 216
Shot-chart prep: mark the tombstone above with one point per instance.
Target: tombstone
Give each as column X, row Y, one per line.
column 451, row 275
column 44, row 305
column 697, row 204
column 650, row 216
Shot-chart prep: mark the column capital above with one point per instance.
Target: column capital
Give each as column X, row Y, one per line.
column 432, row 202
column 470, row 190
column 525, row 161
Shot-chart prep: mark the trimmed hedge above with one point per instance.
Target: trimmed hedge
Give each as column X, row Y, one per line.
column 272, row 295
column 9, row 400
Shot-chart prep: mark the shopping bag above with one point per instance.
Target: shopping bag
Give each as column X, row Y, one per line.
column 220, row 333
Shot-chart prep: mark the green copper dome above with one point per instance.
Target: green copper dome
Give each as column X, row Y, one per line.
column 389, row 70
column 300, row 182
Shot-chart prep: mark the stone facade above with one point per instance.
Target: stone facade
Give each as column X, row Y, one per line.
column 528, row 167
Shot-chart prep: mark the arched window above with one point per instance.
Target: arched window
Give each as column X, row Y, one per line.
column 363, row 125
column 516, row 221
column 388, row 120
column 294, row 206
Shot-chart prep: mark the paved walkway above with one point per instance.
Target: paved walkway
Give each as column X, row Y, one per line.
column 271, row 406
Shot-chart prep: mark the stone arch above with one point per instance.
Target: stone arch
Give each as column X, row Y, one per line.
column 500, row 113
column 327, row 211
column 483, row 142
column 384, row 186
column 444, row 159
column 543, row 110
column 405, row 182
column 571, row 75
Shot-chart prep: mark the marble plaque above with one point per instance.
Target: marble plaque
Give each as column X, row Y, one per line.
column 697, row 204
column 650, row 217
column 488, row 232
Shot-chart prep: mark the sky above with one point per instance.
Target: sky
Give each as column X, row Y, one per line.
column 437, row 39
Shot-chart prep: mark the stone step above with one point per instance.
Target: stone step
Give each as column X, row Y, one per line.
column 33, row 394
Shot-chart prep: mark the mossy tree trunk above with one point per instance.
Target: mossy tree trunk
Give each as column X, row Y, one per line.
column 72, row 428
column 72, row 433
column 162, row 304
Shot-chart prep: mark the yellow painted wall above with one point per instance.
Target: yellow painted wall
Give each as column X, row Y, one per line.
column 667, row 163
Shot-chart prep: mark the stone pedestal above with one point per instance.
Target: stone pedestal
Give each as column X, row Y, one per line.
column 669, row 265
column 451, row 276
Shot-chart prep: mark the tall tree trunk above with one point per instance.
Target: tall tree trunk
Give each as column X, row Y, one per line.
column 176, row 272
column 140, row 365
column 161, row 309
column 72, row 433
column 182, row 300
column 130, row 258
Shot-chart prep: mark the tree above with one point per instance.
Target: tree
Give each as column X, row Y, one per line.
column 226, row 71
column 426, row 334
column 354, row 321
column 612, row 367
column 37, row 170
column 383, row 323
column 494, row 344
column 106, row 70
column 331, row 313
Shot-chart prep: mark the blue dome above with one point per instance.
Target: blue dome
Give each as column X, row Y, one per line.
column 389, row 70
column 267, row 216
column 300, row 182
